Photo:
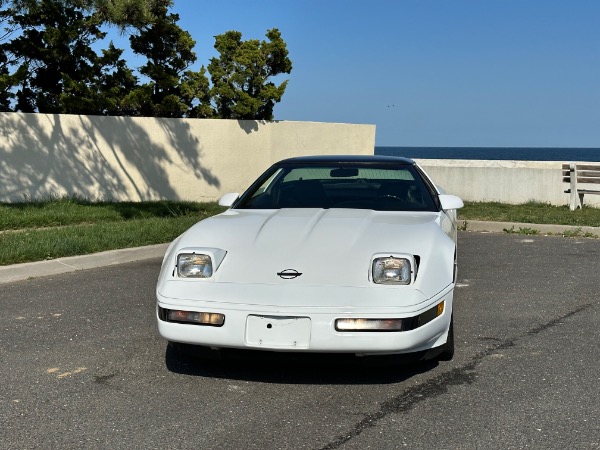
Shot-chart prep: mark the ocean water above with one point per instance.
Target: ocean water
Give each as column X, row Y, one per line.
column 494, row 153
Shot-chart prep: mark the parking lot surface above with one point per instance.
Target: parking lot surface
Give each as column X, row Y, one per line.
column 83, row 367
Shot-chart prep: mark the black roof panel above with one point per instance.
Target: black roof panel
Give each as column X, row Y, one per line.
column 320, row 159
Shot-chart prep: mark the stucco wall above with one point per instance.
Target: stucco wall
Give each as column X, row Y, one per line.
column 503, row 181
column 122, row 158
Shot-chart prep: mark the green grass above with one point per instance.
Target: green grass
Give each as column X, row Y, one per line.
column 48, row 243
column 531, row 212
column 73, row 226
column 75, row 211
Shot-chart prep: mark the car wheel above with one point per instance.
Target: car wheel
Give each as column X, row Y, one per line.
column 448, row 352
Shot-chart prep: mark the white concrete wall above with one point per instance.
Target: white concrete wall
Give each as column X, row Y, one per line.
column 122, row 158
column 503, row 181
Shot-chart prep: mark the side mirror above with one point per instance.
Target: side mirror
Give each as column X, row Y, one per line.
column 450, row 202
column 228, row 199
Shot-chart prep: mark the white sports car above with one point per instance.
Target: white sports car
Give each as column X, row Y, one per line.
column 337, row 254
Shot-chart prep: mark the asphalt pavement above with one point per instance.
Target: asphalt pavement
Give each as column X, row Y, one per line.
column 83, row 367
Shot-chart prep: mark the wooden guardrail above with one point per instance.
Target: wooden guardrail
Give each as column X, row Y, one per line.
column 583, row 179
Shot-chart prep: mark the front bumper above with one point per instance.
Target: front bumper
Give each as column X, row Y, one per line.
column 306, row 328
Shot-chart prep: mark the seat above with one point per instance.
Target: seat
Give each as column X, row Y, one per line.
column 311, row 194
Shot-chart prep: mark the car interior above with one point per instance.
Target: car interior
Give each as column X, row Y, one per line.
column 342, row 190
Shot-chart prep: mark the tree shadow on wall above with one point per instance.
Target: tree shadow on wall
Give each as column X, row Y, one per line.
column 250, row 126
column 92, row 156
column 188, row 147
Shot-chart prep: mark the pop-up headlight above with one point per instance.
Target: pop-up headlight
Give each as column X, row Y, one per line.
column 192, row 265
column 391, row 270
column 198, row 262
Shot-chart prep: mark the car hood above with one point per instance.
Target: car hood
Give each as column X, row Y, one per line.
column 329, row 247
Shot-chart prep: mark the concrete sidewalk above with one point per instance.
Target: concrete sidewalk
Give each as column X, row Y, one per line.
column 18, row 272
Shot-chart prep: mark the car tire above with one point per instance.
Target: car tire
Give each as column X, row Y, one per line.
column 448, row 352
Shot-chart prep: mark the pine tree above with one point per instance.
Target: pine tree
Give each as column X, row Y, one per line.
column 172, row 90
column 55, row 69
column 241, row 75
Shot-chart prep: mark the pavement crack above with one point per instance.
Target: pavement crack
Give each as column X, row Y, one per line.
column 558, row 320
column 440, row 384
column 103, row 379
column 408, row 399
column 489, row 338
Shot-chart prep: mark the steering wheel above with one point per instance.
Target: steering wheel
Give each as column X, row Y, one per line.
column 389, row 196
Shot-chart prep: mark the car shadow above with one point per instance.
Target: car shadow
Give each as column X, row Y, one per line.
column 293, row 368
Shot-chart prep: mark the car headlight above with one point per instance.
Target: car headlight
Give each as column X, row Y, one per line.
column 391, row 270
column 194, row 265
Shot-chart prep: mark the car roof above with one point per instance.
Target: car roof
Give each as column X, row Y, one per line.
column 341, row 159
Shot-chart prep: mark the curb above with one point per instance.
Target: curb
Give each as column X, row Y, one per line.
column 502, row 227
column 19, row 272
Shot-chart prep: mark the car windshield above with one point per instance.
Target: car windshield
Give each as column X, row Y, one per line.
column 360, row 186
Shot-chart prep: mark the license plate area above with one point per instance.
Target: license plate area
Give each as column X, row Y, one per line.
column 278, row 332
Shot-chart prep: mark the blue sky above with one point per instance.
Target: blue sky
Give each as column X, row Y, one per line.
column 429, row 72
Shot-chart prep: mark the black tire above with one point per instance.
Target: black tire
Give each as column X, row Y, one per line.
column 448, row 352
